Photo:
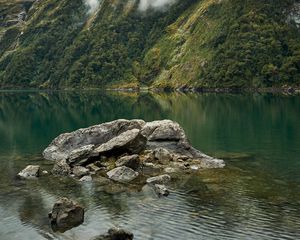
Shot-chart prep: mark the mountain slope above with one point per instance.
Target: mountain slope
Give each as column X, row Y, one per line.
column 195, row 43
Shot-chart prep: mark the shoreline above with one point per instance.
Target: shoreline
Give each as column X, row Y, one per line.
column 286, row 90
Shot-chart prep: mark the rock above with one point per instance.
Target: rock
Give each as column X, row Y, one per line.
column 115, row 234
column 163, row 130
column 87, row 178
column 210, row 163
column 162, row 155
column 31, row 171
column 79, row 171
column 132, row 162
column 170, row 170
column 65, row 215
column 131, row 141
column 151, row 168
column 80, row 155
column 93, row 168
column 61, row 147
column 61, row 168
column 162, row 179
column 122, row 174
column 161, row 190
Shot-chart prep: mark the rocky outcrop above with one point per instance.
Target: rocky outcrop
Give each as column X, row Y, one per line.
column 115, row 234
column 122, row 150
column 65, row 215
column 31, row 171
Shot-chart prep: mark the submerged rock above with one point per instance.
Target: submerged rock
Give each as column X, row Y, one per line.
column 31, row 171
column 161, row 190
column 65, row 215
column 115, row 234
column 122, row 174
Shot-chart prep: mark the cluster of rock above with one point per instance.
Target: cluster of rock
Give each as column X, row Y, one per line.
column 121, row 151
column 125, row 149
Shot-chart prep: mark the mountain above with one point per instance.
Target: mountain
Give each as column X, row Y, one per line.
column 62, row 44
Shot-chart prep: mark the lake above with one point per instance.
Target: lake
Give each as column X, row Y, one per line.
column 257, row 195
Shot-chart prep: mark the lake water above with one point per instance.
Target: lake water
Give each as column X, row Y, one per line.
column 257, row 196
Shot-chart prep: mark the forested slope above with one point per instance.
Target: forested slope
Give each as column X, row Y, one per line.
column 118, row 43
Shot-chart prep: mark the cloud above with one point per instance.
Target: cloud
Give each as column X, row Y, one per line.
column 92, row 5
column 144, row 5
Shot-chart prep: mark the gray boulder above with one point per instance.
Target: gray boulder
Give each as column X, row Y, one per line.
column 31, row 171
column 122, row 174
column 162, row 179
column 61, row 168
column 61, row 147
column 65, row 215
column 131, row 141
column 132, row 161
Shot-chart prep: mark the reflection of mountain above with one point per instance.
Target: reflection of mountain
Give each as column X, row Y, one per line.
column 29, row 121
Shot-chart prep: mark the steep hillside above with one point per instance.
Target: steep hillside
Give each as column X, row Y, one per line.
column 195, row 43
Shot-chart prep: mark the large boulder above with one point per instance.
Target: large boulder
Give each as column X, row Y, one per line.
column 122, row 174
column 31, row 171
column 65, row 215
column 131, row 141
column 62, row 146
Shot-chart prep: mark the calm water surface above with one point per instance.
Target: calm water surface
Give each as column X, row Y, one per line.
column 257, row 196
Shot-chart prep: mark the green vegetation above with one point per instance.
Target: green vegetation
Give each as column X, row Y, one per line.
column 196, row 43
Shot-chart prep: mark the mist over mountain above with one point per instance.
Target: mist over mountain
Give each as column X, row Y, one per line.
column 142, row 43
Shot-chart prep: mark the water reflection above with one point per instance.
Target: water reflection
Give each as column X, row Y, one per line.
column 257, row 196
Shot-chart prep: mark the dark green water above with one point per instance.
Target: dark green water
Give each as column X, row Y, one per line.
column 257, row 196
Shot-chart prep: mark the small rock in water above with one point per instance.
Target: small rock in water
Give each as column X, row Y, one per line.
column 31, row 171
column 65, row 215
column 79, row 171
column 115, row 234
column 122, row 174
column 162, row 179
column 61, row 167
column 132, row 162
column 45, row 172
column 161, row 190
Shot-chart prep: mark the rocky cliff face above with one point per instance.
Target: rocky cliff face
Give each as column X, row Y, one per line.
column 198, row 43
